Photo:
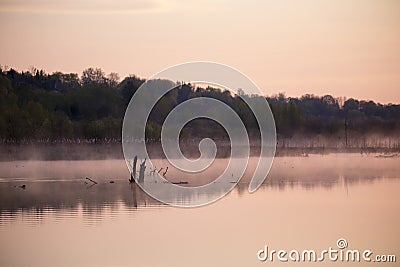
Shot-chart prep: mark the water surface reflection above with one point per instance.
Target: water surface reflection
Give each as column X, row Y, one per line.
column 306, row 202
column 56, row 186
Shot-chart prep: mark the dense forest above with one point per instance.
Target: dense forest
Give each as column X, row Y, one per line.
column 58, row 107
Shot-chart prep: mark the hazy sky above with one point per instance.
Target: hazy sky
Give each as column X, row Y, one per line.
column 342, row 47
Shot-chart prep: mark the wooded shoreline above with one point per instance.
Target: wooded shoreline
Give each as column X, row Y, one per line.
column 36, row 107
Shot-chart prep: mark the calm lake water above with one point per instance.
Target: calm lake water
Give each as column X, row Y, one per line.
column 59, row 219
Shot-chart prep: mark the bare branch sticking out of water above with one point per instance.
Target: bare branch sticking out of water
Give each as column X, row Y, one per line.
column 93, row 181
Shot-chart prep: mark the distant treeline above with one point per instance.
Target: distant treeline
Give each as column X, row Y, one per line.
column 58, row 107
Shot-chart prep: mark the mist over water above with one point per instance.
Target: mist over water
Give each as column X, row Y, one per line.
column 59, row 184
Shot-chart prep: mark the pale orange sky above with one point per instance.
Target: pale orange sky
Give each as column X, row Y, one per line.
column 342, row 47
